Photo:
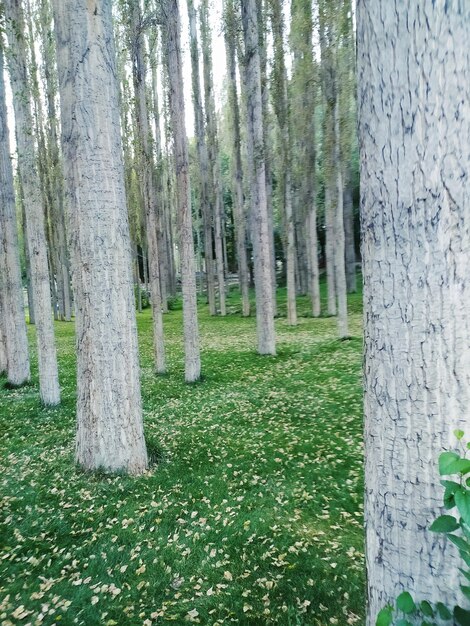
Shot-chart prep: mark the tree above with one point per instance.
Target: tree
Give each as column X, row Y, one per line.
column 282, row 110
column 109, row 414
column 215, row 186
column 171, row 31
column 202, row 158
column 147, row 176
column 35, row 229
column 15, row 341
column 230, row 34
column 414, row 125
column 259, row 209
column 303, row 122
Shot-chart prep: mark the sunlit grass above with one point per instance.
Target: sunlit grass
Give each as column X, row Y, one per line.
column 251, row 515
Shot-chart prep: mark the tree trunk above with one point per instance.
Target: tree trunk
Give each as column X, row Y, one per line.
column 109, row 414
column 416, row 254
column 204, row 193
column 350, row 247
column 15, row 340
column 259, row 210
column 215, row 186
column 237, row 169
column 339, row 253
column 281, row 107
column 35, row 227
column 146, row 167
column 171, row 32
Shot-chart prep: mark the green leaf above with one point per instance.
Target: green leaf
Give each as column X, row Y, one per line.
column 428, row 624
column 450, row 488
column 443, row 611
column 444, row 524
column 384, row 618
column 446, row 462
column 462, row 501
column 426, row 609
column 462, row 616
column 451, row 463
column 466, row 590
column 406, row 603
column 403, row 622
column 462, row 545
column 459, row 434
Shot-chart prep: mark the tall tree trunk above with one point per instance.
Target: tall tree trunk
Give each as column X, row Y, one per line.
column 215, row 186
column 262, row 47
column 416, row 253
column 35, row 227
column 328, row 86
column 237, row 169
column 304, row 86
column 350, row 247
column 281, row 107
column 54, row 161
column 204, row 192
column 146, row 167
column 109, row 413
column 15, row 340
column 171, row 33
column 259, row 210
column 339, row 252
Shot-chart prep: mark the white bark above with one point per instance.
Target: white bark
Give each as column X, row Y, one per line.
column 109, row 414
column 414, row 112
column 202, row 158
column 172, row 33
column 149, row 192
column 35, row 228
column 339, row 250
column 230, row 34
column 259, row 210
column 15, row 340
column 215, row 187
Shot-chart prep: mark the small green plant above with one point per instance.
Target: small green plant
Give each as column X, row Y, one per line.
column 409, row 612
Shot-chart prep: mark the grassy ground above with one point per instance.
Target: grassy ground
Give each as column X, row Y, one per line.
column 253, row 514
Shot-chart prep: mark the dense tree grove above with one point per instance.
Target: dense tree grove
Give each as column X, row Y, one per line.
column 203, row 154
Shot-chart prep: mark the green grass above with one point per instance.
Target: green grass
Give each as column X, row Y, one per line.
column 252, row 513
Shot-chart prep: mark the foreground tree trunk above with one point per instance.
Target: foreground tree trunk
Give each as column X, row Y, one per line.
column 171, row 31
column 259, row 211
column 416, row 253
column 15, row 340
column 109, row 414
column 35, row 228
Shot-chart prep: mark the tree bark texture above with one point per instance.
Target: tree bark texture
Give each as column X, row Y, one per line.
column 414, row 112
column 109, row 415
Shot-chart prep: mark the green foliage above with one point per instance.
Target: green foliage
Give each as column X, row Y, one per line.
column 456, row 496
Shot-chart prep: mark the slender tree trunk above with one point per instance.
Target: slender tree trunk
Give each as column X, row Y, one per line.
column 256, row 164
column 204, row 192
column 215, row 183
column 3, row 344
column 109, row 414
column 415, row 206
column 237, row 169
column 54, row 162
column 14, row 339
column 146, row 166
column 281, row 107
column 339, row 252
column 262, row 18
column 171, row 33
column 35, row 227
column 350, row 247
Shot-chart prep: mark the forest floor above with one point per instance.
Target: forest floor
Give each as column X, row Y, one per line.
column 252, row 511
